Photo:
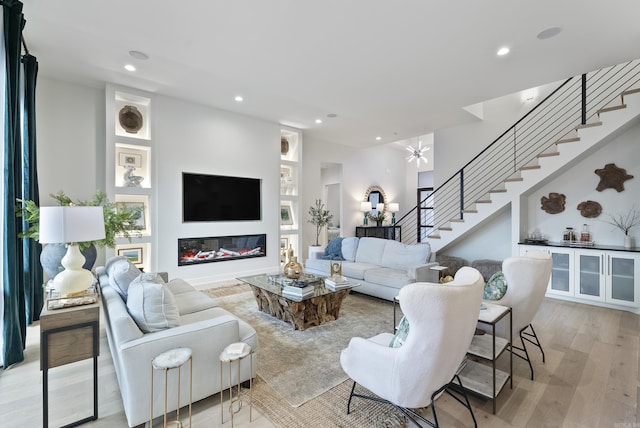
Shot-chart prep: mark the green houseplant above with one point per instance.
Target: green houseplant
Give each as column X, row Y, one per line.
column 118, row 222
column 319, row 218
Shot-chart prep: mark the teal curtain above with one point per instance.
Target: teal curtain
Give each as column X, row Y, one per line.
column 19, row 304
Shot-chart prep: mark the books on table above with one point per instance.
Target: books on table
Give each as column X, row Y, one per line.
column 337, row 284
column 293, row 291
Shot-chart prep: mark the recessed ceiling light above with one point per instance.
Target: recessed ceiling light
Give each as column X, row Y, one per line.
column 130, row 67
column 549, row 33
column 318, row 120
column 239, row 98
column 503, row 51
column 332, row 115
column 378, row 138
column 139, row 55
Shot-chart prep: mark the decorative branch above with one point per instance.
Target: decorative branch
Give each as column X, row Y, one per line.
column 624, row 222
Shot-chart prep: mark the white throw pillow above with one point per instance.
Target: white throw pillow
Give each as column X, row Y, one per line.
column 151, row 305
column 349, row 247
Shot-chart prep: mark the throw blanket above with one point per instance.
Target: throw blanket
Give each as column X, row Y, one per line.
column 333, row 250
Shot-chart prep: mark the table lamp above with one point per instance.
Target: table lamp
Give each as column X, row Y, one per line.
column 365, row 207
column 71, row 225
column 394, row 207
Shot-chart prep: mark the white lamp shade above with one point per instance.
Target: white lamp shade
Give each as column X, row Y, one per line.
column 380, row 207
column 365, row 206
column 71, row 224
column 394, row 207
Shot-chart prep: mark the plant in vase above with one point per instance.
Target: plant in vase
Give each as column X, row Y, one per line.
column 319, row 218
column 117, row 223
column 625, row 222
column 378, row 218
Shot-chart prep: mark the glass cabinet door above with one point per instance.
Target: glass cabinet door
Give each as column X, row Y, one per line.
column 590, row 275
column 561, row 281
column 622, row 276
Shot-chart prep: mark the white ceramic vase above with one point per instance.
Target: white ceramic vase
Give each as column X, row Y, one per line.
column 628, row 241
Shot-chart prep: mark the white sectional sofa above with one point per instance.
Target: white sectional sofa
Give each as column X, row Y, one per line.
column 380, row 266
column 188, row 318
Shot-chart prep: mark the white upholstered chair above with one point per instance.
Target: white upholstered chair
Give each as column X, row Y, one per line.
column 442, row 319
column 527, row 279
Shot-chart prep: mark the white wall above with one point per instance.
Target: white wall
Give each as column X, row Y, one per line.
column 383, row 166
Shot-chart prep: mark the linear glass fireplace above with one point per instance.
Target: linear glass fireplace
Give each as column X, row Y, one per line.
column 193, row 251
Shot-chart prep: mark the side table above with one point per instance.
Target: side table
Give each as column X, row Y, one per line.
column 68, row 335
column 235, row 353
column 477, row 377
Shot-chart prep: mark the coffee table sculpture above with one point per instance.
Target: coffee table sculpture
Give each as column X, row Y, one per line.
column 322, row 306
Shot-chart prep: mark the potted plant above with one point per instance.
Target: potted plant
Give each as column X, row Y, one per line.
column 319, row 218
column 117, row 223
column 625, row 222
column 378, row 218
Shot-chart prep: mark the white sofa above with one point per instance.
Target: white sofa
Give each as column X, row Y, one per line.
column 203, row 327
column 380, row 266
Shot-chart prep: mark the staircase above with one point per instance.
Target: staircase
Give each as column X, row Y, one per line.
column 584, row 113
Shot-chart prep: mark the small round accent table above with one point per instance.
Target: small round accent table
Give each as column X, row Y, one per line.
column 235, row 353
column 172, row 359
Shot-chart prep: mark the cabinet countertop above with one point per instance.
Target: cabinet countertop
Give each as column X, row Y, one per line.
column 583, row 247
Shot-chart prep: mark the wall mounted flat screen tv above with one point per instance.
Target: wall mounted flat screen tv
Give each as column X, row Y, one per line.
column 220, row 198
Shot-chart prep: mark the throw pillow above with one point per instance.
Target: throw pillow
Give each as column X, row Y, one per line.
column 151, row 305
column 333, row 250
column 495, row 288
column 121, row 272
column 401, row 334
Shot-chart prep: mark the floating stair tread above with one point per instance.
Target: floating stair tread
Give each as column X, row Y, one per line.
column 445, row 228
column 526, row 167
column 631, row 91
column 546, row 155
column 483, row 201
column 568, row 140
column 457, row 220
column 470, row 211
column 512, row 179
column 434, row 237
column 612, row 108
column 498, row 191
column 589, row 125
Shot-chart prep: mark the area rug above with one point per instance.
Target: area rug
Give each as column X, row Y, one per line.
column 300, row 365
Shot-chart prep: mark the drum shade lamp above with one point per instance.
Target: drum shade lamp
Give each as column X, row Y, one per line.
column 71, row 225
column 365, row 207
column 394, row 207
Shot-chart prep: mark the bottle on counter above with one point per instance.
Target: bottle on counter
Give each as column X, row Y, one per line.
column 585, row 235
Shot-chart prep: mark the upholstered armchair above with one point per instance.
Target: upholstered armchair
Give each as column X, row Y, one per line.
column 442, row 320
column 527, row 279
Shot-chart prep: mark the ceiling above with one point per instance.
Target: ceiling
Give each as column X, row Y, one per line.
column 388, row 69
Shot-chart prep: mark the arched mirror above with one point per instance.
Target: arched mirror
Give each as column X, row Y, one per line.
column 376, row 196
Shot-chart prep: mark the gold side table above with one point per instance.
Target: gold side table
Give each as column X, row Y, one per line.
column 235, row 353
column 172, row 359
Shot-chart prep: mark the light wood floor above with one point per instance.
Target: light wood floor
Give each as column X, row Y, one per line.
column 590, row 379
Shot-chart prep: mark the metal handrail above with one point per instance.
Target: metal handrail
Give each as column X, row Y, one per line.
column 575, row 101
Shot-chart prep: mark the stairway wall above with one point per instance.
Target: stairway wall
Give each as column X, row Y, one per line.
column 493, row 239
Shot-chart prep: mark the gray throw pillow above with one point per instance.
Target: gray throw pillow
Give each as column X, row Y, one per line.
column 151, row 305
column 121, row 272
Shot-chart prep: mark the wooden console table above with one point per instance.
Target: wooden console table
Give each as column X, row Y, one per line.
column 68, row 335
column 385, row 232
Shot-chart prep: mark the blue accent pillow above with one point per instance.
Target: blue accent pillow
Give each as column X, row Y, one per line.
column 401, row 334
column 495, row 288
column 333, row 250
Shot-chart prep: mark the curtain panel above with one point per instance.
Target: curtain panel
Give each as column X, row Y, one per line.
column 22, row 297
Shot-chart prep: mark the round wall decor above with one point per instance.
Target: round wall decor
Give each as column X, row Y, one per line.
column 284, row 146
column 590, row 209
column 130, row 119
column 554, row 204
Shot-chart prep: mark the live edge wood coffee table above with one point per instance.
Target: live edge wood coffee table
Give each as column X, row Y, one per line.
column 304, row 312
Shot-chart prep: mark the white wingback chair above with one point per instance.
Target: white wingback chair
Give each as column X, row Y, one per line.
column 527, row 279
column 442, row 320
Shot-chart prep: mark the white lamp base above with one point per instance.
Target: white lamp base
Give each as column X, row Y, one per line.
column 74, row 279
